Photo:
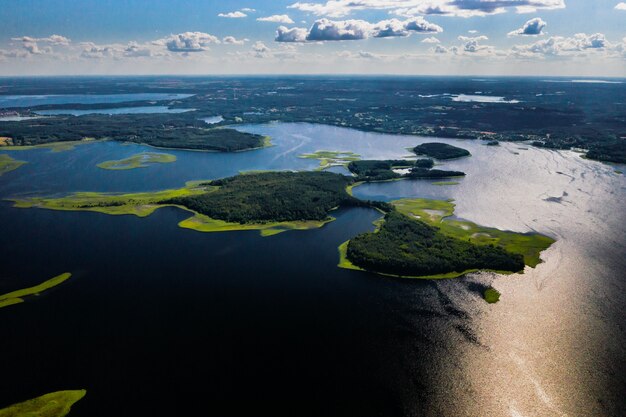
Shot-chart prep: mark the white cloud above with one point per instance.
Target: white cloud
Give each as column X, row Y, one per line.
column 472, row 45
column 463, row 8
column 261, row 50
column 233, row 15
column 560, row 46
column 248, row 10
column 620, row 6
column 432, row 39
column 231, row 40
column 533, row 27
column 188, row 42
column 52, row 39
column 277, row 18
column 284, row 34
column 348, row 30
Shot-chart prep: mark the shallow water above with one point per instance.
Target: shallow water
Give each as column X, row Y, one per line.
column 272, row 326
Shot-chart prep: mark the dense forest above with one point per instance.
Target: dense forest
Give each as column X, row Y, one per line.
column 440, row 150
column 408, row 247
column 166, row 131
column 383, row 170
column 273, row 197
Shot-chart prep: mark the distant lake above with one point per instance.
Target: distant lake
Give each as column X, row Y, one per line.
column 119, row 110
column 213, row 120
column 39, row 100
column 156, row 316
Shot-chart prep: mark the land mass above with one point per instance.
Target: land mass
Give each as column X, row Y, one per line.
column 55, row 404
column 152, row 129
column 440, row 150
column 18, row 296
column 271, row 202
column 140, row 160
column 385, row 170
column 417, row 239
column 8, row 164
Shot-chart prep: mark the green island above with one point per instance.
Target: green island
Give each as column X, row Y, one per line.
column 441, row 183
column 418, row 240
column 55, row 404
column 491, row 295
column 8, row 145
column 331, row 158
column 271, row 202
column 8, row 164
column 17, row 297
column 386, row 170
column 440, row 150
column 175, row 132
column 140, row 160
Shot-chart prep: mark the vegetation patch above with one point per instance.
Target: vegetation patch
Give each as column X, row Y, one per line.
column 386, row 170
column 56, row 404
column 17, row 297
column 7, row 164
column 332, row 158
column 52, row 146
column 271, row 202
column 407, row 247
column 140, row 160
column 437, row 213
column 440, row 150
column 441, row 183
column 491, row 295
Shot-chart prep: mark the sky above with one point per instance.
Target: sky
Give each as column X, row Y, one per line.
column 407, row 37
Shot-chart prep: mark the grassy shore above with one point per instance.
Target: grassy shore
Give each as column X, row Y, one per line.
column 52, row 146
column 332, row 158
column 55, row 404
column 140, row 160
column 16, row 297
column 436, row 213
column 8, row 164
column 146, row 203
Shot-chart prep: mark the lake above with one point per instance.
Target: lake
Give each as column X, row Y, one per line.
column 272, row 326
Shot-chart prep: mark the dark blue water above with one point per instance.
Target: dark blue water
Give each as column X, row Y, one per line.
column 159, row 320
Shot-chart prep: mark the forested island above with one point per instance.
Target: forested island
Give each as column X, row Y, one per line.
column 417, row 238
column 55, row 404
column 407, row 247
column 385, row 170
column 159, row 130
column 271, row 202
column 440, row 150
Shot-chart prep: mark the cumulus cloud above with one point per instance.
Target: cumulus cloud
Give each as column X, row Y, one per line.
column 558, row 45
column 348, row 30
column 463, row 8
column 432, row 39
column 261, row 50
column 52, row 39
column 620, row 6
column 533, row 27
column 188, row 42
column 472, row 45
column 248, row 10
column 284, row 34
column 277, row 18
column 233, row 15
column 231, row 40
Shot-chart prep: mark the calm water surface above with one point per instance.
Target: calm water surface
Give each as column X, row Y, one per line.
column 159, row 319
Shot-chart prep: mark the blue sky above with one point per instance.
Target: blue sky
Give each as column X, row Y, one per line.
column 495, row 37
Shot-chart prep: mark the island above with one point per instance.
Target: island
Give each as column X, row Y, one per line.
column 55, row 404
column 18, row 296
column 7, row 164
column 270, row 202
column 491, row 295
column 385, row 170
column 161, row 131
column 418, row 239
column 140, row 160
column 331, row 158
column 441, row 151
